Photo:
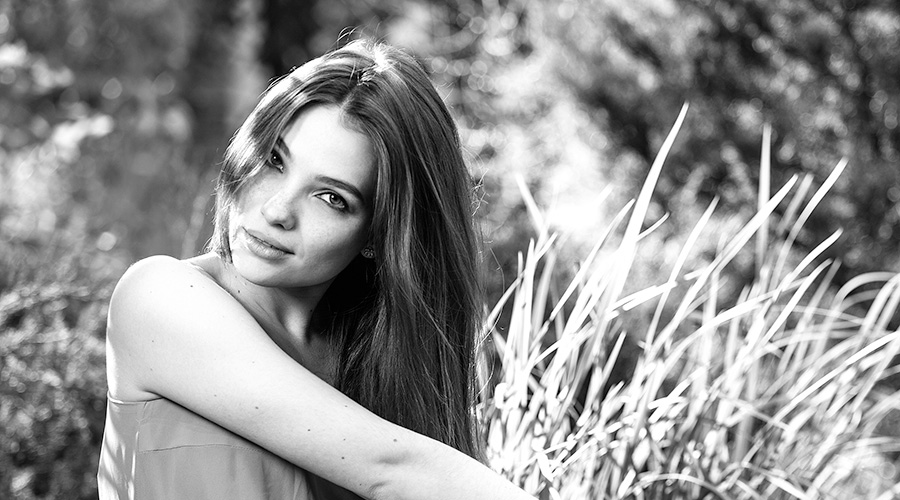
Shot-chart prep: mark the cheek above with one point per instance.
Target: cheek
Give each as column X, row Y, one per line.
column 242, row 200
column 242, row 205
column 234, row 215
column 251, row 192
column 344, row 243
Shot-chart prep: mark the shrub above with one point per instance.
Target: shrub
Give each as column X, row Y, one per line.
column 52, row 371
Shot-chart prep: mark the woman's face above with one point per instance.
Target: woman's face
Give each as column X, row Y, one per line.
column 300, row 221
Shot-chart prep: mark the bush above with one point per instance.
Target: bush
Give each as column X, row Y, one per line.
column 52, row 374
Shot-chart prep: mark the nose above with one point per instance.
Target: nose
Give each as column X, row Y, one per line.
column 280, row 211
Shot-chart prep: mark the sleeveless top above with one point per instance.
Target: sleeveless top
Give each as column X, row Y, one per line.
column 159, row 450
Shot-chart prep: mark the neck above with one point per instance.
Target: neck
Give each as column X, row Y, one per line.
column 284, row 313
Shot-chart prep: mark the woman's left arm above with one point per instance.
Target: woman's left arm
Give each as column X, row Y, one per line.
column 174, row 333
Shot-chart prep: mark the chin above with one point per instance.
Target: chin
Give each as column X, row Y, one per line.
column 255, row 270
column 262, row 273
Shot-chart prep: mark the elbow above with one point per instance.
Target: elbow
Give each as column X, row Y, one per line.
column 377, row 491
column 394, row 476
column 381, row 486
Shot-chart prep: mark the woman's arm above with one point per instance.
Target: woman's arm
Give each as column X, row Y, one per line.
column 174, row 333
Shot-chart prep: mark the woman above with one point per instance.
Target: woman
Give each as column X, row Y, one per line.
column 330, row 334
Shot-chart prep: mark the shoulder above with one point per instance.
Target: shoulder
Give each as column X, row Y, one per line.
column 162, row 281
column 153, row 284
column 154, row 271
column 148, row 272
column 154, row 307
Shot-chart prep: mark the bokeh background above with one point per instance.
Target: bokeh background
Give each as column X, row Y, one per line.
column 114, row 115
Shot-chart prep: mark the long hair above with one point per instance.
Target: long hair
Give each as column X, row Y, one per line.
column 403, row 324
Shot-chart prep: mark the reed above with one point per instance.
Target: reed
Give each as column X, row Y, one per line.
column 775, row 394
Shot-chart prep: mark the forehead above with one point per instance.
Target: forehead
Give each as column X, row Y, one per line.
column 321, row 141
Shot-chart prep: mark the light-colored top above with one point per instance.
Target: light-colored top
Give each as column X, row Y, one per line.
column 159, row 450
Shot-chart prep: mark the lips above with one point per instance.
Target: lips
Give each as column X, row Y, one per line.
column 262, row 246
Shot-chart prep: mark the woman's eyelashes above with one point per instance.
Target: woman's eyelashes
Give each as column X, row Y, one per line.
column 275, row 161
column 332, row 199
column 335, row 201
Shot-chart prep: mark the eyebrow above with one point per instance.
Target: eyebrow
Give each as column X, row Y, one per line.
column 283, row 149
column 341, row 184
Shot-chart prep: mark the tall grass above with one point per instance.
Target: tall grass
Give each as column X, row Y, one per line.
column 775, row 394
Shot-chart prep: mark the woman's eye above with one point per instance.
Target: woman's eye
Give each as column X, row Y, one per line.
column 334, row 200
column 275, row 161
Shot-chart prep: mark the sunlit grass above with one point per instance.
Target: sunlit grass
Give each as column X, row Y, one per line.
column 775, row 394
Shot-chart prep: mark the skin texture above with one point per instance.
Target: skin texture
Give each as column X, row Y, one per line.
column 230, row 341
column 314, row 200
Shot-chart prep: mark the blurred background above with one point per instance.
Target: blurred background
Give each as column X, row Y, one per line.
column 114, row 115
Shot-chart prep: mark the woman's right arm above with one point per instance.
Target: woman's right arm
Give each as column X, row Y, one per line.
column 174, row 333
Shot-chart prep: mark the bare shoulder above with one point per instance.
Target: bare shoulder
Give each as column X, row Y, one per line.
column 156, row 274
column 156, row 301
column 159, row 287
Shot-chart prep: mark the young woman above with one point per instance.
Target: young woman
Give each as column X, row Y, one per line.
column 325, row 347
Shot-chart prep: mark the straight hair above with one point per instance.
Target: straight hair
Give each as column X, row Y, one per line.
column 403, row 325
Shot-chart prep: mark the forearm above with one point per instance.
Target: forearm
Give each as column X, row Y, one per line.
column 239, row 379
column 428, row 469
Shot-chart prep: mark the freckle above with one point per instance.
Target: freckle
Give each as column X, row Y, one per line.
column 395, row 440
column 257, row 407
column 307, row 430
column 342, row 458
column 192, row 286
